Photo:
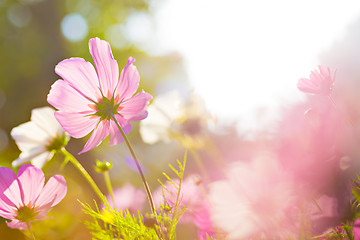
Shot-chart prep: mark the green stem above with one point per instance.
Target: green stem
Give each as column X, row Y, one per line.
column 82, row 170
column 109, row 186
column 29, row 229
column 147, row 188
column 199, row 163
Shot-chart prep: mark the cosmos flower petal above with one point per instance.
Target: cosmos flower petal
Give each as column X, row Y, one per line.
column 32, row 181
column 29, row 135
column 44, row 117
column 76, row 124
column 52, row 193
column 81, row 75
column 129, row 80
column 106, row 66
column 6, row 211
column 40, row 160
column 9, row 186
column 99, row 134
column 64, row 97
column 135, row 108
column 320, row 82
column 29, row 155
column 115, row 134
column 17, row 224
column 35, row 138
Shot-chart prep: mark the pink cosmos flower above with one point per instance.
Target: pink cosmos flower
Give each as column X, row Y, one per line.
column 87, row 98
column 24, row 198
column 320, row 82
column 128, row 197
column 193, row 199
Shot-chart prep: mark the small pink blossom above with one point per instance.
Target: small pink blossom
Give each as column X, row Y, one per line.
column 24, row 198
column 128, row 197
column 320, row 82
column 86, row 98
column 190, row 194
column 193, row 199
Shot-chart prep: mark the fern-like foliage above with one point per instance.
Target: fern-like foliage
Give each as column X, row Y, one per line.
column 172, row 210
column 109, row 223
column 117, row 224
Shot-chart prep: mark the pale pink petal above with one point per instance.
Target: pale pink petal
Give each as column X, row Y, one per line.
column 9, row 186
column 106, row 66
column 135, row 108
column 52, row 193
column 81, row 75
column 129, row 80
column 7, row 208
column 320, row 82
column 76, row 124
column 64, row 97
column 32, row 181
column 99, row 134
column 305, row 85
column 6, row 211
column 115, row 134
column 17, row 224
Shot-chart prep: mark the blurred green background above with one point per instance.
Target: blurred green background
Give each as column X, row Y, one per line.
column 37, row 34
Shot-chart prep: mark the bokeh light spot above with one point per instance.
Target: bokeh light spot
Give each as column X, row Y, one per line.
column 74, row 27
column 139, row 29
column 115, row 34
column 19, row 15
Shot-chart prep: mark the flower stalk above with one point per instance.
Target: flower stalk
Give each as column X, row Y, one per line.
column 76, row 163
column 109, row 186
column 147, row 188
column 30, row 232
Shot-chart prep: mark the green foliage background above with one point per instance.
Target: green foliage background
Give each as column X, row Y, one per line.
column 28, row 55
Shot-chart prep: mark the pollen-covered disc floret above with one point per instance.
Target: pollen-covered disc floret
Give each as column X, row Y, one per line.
column 26, row 198
column 87, row 99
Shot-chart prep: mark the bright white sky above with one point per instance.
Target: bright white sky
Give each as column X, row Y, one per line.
column 242, row 55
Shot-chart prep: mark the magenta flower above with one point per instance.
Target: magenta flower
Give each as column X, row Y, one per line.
column 87, row 98
column 320, row 82
column 24, row 198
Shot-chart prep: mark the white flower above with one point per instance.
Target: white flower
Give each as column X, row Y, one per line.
column 169, row 117
column 40, row 138
column 252, row 200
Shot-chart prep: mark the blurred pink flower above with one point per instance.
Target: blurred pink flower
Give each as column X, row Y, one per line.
column 190, row 195
column 128, row 197
column 24, row 198
column 193, row 200
column 86, row 98
column 252, row 201
column 202, row 220
column 320, row 82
